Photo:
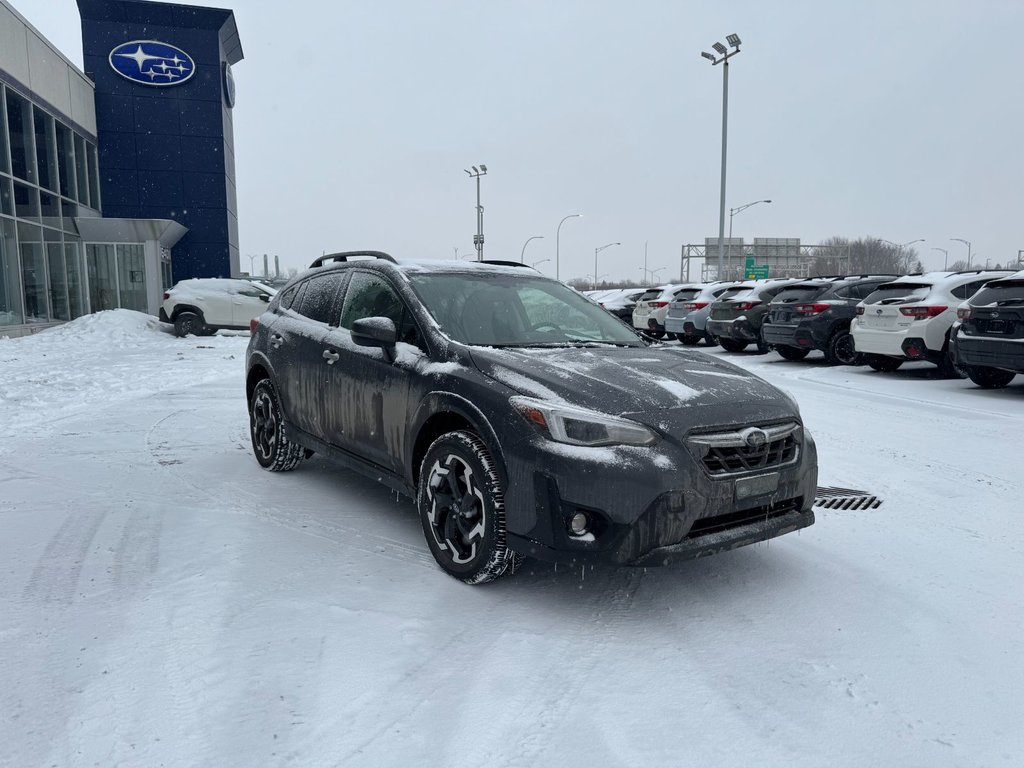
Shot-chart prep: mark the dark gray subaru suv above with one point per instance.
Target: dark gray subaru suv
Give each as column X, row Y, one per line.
column 522, row 418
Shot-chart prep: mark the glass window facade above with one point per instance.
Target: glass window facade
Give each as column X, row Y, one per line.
column 48, row 171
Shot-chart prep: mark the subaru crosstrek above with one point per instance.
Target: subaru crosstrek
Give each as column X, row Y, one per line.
column 522, row 418
column 988, row 339
column 816, row 314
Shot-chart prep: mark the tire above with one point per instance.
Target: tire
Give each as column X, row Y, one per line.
column 689, row 340
column 671, row 336
column 883, row 363
column 272, row 449
column 732, row 345
column 841, row 351
column 792, row 353
column 948, row 369
column 710, row 340
column 654, row 334
column 763, row 348
column 989, row 378
column 461, row 504
column 190, row 322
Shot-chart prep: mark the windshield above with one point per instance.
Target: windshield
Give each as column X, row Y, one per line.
column 502, row 310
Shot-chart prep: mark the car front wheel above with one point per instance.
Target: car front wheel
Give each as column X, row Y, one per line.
column 461, row 504
column 989, row 378
column 273, row 450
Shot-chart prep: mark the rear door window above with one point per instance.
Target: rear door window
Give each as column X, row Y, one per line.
column 372, row 296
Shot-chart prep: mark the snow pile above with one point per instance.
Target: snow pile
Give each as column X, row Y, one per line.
column 69, row 368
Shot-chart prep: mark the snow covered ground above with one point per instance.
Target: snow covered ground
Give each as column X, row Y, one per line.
column 164, row 601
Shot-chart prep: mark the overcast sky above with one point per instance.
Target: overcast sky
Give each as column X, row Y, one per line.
column 355, row 120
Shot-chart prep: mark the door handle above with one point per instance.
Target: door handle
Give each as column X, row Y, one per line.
column 276, row 340
column 331, row 357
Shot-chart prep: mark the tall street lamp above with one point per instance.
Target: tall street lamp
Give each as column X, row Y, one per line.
column 478, row 238
column 724, row 54
column 968, row 244
column 733, row 212
column 597, row 251
column 536, row 263
column 945, row 255
column 558, row 232
column 522, row 254
column 900, row 246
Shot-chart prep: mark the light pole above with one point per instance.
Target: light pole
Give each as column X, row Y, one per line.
column 968, row 244
column 654, row 272
column 558, row 232
column 252, row 263
column 733, row 212
column 945, row 256
column 723, row 58
column 597, row 251
column 900, row 246
column 534, row 264
column 522, row 254
column 478, row 238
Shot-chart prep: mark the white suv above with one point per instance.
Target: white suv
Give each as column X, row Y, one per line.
column 651, row 308
column 910, row 318
column 202, row 306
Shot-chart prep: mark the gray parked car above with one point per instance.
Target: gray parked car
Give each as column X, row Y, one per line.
column 522, row 418
column 688, row 313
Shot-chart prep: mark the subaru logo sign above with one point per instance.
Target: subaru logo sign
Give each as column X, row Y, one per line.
column 754, row 437
column 151, row 62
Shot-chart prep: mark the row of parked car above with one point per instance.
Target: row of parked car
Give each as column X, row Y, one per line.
column 966, row 323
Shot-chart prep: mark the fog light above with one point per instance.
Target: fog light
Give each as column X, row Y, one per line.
column 579, row 523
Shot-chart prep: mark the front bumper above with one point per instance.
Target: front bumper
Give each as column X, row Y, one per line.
column 987, row 352
column 646, row 505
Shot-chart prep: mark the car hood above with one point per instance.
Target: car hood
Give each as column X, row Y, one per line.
column 668, row 388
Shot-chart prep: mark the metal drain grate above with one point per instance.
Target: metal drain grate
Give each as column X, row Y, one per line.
column 845, row 498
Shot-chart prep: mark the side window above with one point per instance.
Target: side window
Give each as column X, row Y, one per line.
column 370, row 296
column 849, row 292
column 251, row 291
column 963, row 291
column 285, row 298
column 317, row 301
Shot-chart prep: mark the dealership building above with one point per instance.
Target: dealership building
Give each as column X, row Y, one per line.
column 117, row 180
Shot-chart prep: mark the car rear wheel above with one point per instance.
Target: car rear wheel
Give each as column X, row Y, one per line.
column 989, row 378
column 841, row 350
column 654, row 334
column 710, row 340
column 273, row 450
column 792, row 353
column 732, row 345
column 689, row 340
column 883, row 363
column 461, row 503
column 190, row 323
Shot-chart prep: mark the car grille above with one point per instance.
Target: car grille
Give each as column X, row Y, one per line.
column 751, row 448
column 707, row 525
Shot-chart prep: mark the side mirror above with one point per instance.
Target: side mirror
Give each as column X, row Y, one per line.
column 375, row 332
column 265, row 298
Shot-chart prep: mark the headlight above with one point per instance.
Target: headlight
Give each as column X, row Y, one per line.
column 578, row 426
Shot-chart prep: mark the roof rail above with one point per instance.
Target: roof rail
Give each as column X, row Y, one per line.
column 500, row 263
column 346, row 255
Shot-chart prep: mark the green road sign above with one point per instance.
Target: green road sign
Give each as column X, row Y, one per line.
column 749, row 263
column 757, row 273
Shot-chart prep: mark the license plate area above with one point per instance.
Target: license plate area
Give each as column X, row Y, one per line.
column 761, row 485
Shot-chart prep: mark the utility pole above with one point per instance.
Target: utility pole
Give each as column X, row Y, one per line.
column 478, row 238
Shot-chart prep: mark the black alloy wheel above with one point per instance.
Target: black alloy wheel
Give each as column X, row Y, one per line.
column 989, row 378
column 462, row 509
column 792, row 353
column 882, row 363
column 841, row 349
column 266, row 428
column 189, row 323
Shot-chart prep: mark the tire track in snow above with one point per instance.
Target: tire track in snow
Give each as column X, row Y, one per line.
column 56, row 573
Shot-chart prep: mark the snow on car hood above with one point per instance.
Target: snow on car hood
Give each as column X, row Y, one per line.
column 661, row 386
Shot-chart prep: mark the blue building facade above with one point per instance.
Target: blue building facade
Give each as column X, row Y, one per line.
column 163, row 95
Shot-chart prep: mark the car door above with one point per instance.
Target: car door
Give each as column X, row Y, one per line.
column 297, row 350
column 368, row 409
column 247, row 302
